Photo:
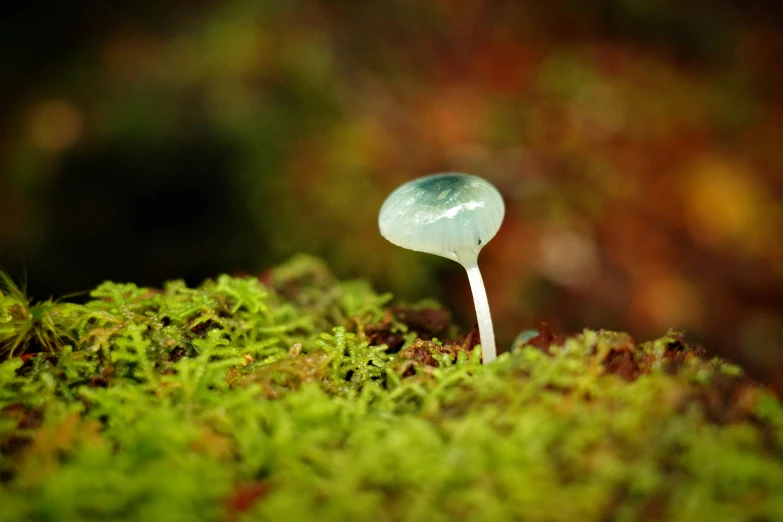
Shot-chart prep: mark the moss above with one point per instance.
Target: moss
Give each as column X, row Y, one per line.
column 305, row 398
column 23, row 323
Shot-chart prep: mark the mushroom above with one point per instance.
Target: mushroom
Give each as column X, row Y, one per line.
column 451, row 215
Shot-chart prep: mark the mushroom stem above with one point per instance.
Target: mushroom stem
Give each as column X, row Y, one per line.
column 486, row 332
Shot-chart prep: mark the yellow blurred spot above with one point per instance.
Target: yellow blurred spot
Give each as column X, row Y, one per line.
column 234, row 46
column 669, row 302
column 727, row 203
column 569, row 259
column 55, row 125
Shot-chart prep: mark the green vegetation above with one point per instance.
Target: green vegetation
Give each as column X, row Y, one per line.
column 305, row 398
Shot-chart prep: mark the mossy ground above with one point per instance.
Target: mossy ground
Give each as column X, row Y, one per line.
column 305, row 398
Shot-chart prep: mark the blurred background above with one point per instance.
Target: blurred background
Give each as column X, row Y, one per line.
column 637, row 143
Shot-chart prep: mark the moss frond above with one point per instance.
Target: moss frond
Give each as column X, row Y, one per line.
column 29, row 327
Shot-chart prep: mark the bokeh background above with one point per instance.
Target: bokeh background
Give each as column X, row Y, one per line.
column 638, row 145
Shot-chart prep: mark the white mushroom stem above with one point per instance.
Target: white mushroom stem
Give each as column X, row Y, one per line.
column 470, row 261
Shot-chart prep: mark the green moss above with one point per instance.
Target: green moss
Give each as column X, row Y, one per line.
column 306, row 398
column 23, row 323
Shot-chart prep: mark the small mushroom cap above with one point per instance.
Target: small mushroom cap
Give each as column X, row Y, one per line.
column 442, row 214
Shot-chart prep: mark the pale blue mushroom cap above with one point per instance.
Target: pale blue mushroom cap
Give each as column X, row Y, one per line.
column 443, row 214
